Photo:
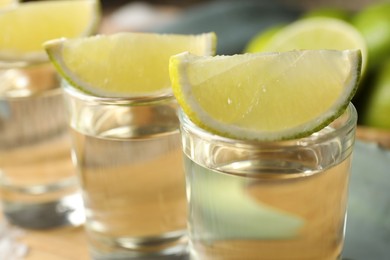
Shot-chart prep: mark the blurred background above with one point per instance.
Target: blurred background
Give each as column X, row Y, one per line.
column 305, row 4
column 238, row 22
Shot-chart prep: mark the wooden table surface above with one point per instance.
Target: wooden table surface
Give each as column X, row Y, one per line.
column 67, row 243
column 60, row 244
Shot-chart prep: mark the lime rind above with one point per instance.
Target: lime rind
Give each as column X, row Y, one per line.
column 183, row 92
column 131, row 53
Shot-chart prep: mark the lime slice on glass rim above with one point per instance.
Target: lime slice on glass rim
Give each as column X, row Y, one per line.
column 8, row 3
column 28, row 25
column 316, row 33
column 265, row 96
column 126, row 64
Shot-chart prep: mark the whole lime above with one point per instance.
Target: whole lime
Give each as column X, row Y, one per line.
column 377, row 108
column 261, row 39
column 331, row 12
column 314, row 33
column 374, row 24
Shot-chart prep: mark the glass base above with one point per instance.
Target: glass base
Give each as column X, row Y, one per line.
column 180, row 256
column 171, row 246
column 68, row 211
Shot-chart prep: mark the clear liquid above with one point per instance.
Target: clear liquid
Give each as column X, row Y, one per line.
column 270, row 207
column 38, row 183
column 134, row 191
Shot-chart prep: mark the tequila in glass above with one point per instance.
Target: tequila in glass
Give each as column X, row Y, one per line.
column 129, row 161
column 268, row 200
column 38, row 184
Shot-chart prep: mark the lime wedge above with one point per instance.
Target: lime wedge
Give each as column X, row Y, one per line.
column 265, row 96
column 124, row 64
column 27, row 26
column 8, row 3
column 316, row 34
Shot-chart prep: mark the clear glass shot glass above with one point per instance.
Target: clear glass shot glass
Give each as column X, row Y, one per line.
column 128, row 156
column 38, row 185
column 268, row 200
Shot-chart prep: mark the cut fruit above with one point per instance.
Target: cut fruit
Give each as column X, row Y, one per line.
column 265, row 96
column 316, row 34
column 124, row 64
column 8, row 3
column 27, row 26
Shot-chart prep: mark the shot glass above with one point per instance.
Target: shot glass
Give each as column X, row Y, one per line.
column 38, row 185
column 268, row 200
column 127, row 152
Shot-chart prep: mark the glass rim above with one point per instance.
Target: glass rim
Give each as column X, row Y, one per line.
column 26, row 64
column 135, row 100
column 34, row 59
column 350, row 112
column 39, row 94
